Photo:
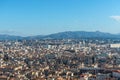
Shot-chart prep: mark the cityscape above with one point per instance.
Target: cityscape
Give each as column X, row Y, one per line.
column 59, row 39
column 60, row 59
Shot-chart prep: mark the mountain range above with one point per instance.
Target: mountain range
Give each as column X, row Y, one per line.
column 64, row 35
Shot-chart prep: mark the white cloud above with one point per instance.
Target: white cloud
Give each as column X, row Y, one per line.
column 116, row 18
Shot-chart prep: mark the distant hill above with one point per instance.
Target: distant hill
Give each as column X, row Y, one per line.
column 65, row 35
column 9, row 37
column 81, row 34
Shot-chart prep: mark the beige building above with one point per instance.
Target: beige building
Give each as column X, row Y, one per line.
column 115, row 45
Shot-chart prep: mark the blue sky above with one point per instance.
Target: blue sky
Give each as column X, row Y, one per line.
column 38, row 17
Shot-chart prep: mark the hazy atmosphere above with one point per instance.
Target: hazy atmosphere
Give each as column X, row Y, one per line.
column 41, row 17
column 59, row 39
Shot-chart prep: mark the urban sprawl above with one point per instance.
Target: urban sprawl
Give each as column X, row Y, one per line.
column 60, row 59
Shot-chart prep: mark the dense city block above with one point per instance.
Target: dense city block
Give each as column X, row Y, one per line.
column 60, row 59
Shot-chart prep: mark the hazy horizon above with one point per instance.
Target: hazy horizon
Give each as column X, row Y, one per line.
column 42, row 17
column 13, row 33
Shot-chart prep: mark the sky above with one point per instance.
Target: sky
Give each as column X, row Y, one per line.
column 42, row 17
